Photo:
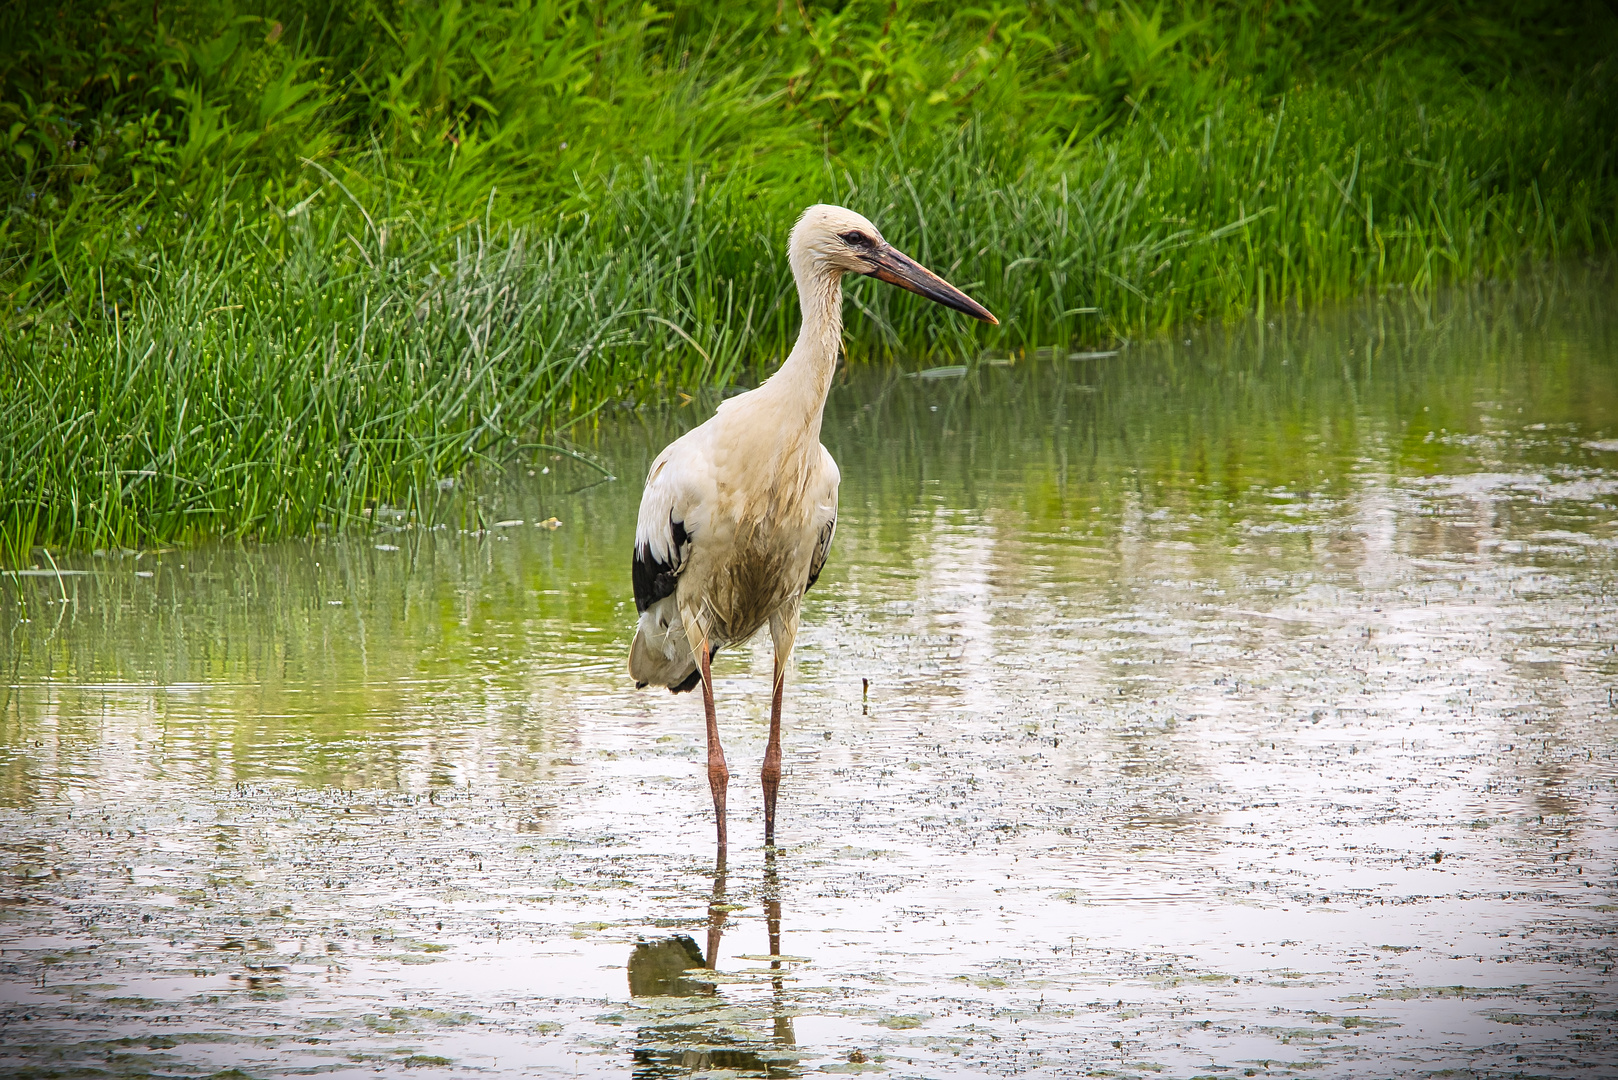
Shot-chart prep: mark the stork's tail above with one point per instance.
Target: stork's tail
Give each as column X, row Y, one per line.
column 660, row 654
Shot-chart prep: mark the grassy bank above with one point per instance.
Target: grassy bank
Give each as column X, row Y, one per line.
column 262, row 268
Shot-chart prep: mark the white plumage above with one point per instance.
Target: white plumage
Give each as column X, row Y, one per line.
column 757, row 508
column 739, row 513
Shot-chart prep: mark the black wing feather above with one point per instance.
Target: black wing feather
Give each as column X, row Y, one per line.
column 822, row 549
column 653, row 580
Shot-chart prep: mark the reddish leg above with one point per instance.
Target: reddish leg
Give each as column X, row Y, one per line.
column 771, row 773
column 718, row 774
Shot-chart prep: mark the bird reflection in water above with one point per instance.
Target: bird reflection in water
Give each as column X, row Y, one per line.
column 689, row 1037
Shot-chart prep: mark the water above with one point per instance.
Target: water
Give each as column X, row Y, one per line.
column 1237, row 706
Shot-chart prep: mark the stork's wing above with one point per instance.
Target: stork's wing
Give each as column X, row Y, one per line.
column 822, row 549
column 666, row 527
column 827, row 506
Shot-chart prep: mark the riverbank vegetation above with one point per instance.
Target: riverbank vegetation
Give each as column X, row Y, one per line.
column 264, row 265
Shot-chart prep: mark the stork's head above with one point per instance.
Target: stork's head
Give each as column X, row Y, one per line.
column 834, row 240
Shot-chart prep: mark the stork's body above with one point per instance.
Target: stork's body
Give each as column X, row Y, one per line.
column 738, row 514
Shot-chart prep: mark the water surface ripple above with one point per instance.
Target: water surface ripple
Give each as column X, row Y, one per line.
column 1240, row 706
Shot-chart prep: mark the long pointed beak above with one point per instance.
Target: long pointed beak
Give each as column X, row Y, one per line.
column 897, row 268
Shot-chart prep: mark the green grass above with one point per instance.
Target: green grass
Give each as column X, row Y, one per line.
column 256, row 278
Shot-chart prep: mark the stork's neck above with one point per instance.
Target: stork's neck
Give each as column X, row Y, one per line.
column 805, row 377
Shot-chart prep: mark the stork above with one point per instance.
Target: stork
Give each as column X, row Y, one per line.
column 738, row 514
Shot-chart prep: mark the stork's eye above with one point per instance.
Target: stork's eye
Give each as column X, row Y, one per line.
column 856, row 239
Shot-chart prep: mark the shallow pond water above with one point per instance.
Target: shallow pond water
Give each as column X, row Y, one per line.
column 1236, row 706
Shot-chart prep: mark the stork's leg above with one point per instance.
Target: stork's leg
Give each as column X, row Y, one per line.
column 783, row 632
column 718, row 774
column 771, row 773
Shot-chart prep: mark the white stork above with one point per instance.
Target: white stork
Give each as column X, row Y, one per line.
column 738, row 514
